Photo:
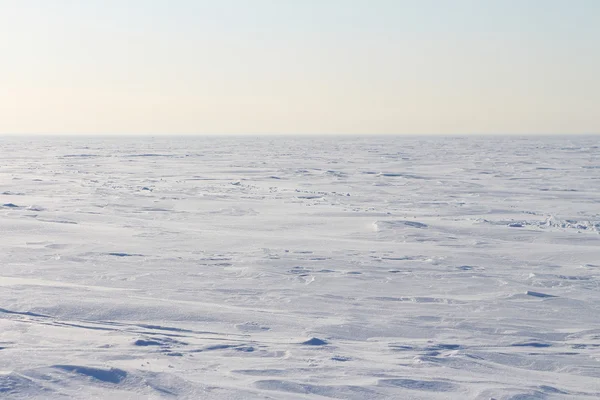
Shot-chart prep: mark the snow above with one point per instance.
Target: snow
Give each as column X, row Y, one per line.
column 300, row 268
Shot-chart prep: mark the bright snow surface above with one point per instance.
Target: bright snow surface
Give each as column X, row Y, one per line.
column 300, row 268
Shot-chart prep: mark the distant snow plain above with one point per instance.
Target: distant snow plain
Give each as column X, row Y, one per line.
column 300, row 268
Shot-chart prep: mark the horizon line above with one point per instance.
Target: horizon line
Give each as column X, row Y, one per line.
column 236, row 134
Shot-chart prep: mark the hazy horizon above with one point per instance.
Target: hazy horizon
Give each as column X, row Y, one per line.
column 286, row 67
column 292, row 135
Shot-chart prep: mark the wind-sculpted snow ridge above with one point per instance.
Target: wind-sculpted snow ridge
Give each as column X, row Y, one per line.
column 300, row 268
column 550, row 222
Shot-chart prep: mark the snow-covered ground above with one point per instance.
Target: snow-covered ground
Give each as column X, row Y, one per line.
column 300, row 268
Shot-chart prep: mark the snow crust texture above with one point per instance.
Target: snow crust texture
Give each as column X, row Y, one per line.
column 300, row 268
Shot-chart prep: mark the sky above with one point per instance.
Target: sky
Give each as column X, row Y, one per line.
column 299, row 66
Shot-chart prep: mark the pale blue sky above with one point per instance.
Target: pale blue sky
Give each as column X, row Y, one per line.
column 299, row 66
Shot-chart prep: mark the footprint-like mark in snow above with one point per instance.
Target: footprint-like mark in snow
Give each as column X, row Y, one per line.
column 252, row 327
column 163, row 344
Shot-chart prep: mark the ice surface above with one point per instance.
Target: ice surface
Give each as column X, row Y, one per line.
column 297, row 268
